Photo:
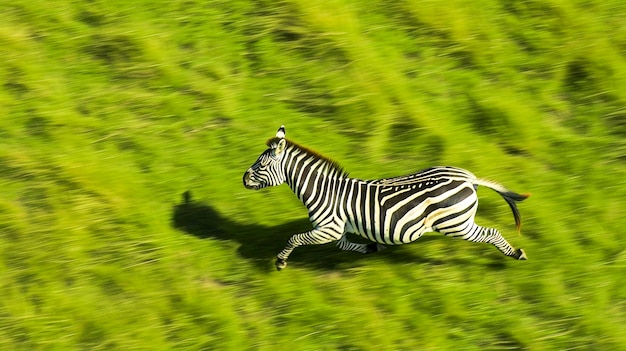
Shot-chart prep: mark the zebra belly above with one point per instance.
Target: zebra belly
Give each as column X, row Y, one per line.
column 387, row 235
column 380, row 225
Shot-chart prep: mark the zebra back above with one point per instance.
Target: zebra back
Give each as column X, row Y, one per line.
column 428, row 174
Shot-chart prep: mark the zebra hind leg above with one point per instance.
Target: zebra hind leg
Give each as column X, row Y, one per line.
column 492, row 236
column 346, row 245
column 375, row 247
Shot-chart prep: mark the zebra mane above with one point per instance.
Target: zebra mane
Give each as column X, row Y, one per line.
column 332, row 163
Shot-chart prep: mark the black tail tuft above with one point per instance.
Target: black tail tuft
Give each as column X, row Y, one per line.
column 515, row 196
column 510, row 198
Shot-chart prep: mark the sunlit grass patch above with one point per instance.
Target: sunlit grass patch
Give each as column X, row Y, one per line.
column 126, row 128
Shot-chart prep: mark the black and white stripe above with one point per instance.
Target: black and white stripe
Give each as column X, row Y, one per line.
column 388, row 211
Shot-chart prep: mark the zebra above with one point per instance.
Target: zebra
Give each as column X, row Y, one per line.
column 389, row 211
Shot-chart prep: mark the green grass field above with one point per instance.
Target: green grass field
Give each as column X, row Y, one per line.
column 126, row 127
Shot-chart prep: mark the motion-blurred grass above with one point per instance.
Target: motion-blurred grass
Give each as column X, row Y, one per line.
column 112, row 110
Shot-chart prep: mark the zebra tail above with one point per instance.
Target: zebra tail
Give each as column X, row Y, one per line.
column 509, row 196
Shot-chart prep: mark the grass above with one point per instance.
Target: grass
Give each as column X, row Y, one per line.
column 113, row 110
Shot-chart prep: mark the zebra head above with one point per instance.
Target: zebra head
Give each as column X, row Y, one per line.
column 267, row 170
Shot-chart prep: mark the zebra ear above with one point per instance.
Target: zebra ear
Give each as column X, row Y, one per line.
column 281, row 132
column 280, row 147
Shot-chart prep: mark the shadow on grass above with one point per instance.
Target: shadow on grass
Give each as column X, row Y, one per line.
column 259, row 244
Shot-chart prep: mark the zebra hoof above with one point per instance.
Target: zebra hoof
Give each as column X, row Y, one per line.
column 280, row 264
column 521, row 255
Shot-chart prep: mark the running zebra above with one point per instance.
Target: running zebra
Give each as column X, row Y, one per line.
column 388, row 211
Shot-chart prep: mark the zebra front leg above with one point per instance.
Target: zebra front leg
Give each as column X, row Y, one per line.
column 313, row 237
column 492, row 236
column 346, row 245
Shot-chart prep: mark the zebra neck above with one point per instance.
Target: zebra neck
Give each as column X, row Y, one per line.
column 313, row 179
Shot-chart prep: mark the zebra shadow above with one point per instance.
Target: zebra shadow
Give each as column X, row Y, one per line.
column 259, row 244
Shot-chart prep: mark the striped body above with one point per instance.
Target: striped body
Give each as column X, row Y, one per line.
column 399, row 210
column 387, row 211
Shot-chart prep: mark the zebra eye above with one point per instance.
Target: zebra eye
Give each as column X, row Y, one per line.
column 265, row 162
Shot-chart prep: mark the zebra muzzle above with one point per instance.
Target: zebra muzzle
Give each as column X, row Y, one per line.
column 248, row 182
